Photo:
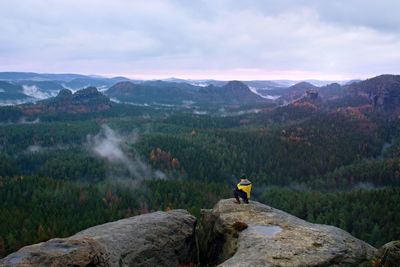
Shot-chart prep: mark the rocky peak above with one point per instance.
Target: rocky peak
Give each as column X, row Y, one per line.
column 82, row 101
column 298, row 91
column 228, row 235
column 121, row 87
column 302, row 86
column 236, row 86
column 154, row 239
column 236, row 92
column 88, row 91
column 89, row 94
column 259, row 235
column 377, row 85
column 64, row 93
column 383, row 91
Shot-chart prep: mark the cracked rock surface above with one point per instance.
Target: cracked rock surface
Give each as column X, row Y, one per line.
column 270, row 237
column 154, row 239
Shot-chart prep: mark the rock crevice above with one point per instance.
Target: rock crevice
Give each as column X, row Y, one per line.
column 228, row 235
column 259, row 235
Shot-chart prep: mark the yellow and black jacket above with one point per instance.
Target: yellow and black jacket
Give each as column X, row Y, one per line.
column 245, row 185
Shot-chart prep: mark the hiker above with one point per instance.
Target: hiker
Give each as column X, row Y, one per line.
column 243, row 190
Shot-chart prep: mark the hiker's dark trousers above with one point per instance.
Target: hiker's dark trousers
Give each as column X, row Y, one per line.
column 240, row 193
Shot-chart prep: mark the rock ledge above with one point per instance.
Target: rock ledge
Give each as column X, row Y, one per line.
column 259, row 235
column 154, row 239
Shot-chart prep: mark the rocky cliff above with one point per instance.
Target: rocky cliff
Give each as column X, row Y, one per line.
column 82, row 101
column 155, row 239
column 228, row 235
column 259, row 235
column 383, row 92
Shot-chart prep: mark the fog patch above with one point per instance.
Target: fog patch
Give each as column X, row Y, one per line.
column 222, row 112
column 385, row 147
column 164, row 105
column 365, row 185
column 188, row 102
column 115, row 100
column 35, row 92
column 200, row 84
column 102, row 88
column 249, row 111
column 302, row 187
column 255, row 91
column 271, row 97
column 136, row 104
column 200, row 112
column 114, row 149
column 24, row 120
column 34, row 149
column 16, row 102
column 72, row 89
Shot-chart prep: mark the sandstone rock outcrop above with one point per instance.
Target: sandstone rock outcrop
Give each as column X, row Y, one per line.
column 82, row 101
column 389, row 255
column 258, row 235
column 228, row 235
column 155, row 239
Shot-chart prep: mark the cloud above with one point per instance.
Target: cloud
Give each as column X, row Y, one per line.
column 24, row 120
column 35, row 92
column 34, row 149
column 216, row 39
column 113, row 147
column 14, row 102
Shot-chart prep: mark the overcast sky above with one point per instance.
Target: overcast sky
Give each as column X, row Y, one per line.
column 227, row 39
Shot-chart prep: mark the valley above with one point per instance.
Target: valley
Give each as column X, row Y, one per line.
column 93, row 150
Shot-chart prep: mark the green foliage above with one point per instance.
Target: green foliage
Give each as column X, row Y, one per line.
column 371, row 173
column 202, row 157
column 52, row 186
column 10, row 114
column 34, row 209
column 370, row 215
column 203, row 121
column 8, row 166
column 19, row 137
column 73, row 165
column 182, row 194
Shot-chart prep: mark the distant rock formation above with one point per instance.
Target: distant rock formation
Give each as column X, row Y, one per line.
column 312, row 94
column 258, row 235
column 234, row 92
column 297, row 91
column 151, row 92
column 82, row 101
column 332, row 91
column 155, row 239
column 383, row 91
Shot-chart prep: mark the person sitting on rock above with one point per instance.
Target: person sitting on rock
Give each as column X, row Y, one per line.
column 243, row 190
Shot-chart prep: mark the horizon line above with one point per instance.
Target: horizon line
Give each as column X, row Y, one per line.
column 226, row 76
